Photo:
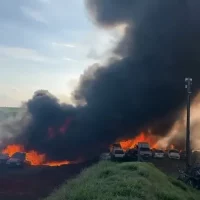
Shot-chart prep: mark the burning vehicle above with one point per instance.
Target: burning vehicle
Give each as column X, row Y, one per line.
column 18, row 159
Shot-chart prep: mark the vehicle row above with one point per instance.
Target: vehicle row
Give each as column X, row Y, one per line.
column 142, row 150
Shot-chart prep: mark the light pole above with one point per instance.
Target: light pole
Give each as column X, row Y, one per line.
column 188, row 85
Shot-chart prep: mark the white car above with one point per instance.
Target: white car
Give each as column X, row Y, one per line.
column 145, row 152
column 159, row 154
column 105, row 156
column 118, row 154
column 174, row 154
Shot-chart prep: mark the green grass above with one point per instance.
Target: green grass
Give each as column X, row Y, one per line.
column 7, row 112
column 11, row 109
column 126, row 181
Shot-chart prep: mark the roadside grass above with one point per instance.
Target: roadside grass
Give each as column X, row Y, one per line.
column 124, row 181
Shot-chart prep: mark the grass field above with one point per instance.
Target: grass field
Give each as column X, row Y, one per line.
column 10, row 109
column 7, row 112
column 125, row 181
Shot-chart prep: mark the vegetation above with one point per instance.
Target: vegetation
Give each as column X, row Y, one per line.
column 7, row 112
column 124, row 181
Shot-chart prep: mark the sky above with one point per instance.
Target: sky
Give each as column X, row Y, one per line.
column 47, row 44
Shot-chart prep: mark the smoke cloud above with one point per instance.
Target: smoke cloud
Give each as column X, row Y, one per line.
column 143, row 88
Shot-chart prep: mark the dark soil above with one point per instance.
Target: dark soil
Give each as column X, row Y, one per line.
column 35, row 182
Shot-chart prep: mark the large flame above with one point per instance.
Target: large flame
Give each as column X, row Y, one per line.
column 36, row 158
column 33, row 157
column 142, row 137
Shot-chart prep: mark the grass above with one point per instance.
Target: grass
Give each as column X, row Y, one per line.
column 11, row 109
column 124, row 181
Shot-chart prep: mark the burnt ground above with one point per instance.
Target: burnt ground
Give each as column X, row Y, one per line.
column 38, row 182
column 34, row 183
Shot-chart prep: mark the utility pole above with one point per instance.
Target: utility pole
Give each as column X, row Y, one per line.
column 188, row 85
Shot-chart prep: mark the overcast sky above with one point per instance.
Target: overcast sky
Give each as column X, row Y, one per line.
column 46, row 44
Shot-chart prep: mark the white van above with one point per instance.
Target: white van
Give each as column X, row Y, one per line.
column 144, row 149
column 117, row 152
column 174, row 154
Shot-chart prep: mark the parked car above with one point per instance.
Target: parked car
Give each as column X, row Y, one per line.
column 105, row 156
column 145, row 152
column 117, row 154
column 174, row 154
column 158, row 153
column 131, row 154
column 17, row 160
column 3, row 158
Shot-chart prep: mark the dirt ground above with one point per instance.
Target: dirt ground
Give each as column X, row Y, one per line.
column 169, row 166
column 38, row 182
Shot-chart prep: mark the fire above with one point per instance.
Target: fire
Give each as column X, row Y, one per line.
column 172, row 146
column 36, row 158
column 57, row 164
column 53, row 132
column 142, row 137
column 11, row 149
column 33, row 157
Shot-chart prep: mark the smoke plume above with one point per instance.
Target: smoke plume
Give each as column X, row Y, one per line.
column 143, row 88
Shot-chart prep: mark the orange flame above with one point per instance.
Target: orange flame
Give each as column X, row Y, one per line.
column 172, row 146
column 57, row 164
column 142, row 137
column 33, row 157
column 11, row 149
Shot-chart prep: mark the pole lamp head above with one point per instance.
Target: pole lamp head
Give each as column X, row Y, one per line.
column 188, row 80
column 188, row 83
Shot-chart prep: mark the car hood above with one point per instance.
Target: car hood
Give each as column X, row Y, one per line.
column 145, row 152
column 174, row 154
column 157, row 153
column 13, row 160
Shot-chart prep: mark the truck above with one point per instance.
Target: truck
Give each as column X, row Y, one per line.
column 116, row 152
column 143, row 150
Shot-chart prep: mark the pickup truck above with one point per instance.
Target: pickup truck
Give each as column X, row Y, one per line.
column 144, row 150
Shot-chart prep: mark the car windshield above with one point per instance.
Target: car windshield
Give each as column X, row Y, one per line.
column 119, row 152
column 144, row 149
column 159, row 151
column 117, row 145
column 19, row 156
column 173, row 151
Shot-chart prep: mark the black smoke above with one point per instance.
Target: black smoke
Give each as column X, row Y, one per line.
column 145, row 88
